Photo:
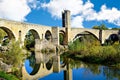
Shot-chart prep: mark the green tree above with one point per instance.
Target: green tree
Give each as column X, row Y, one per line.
column 101, row 27
column 2, row 34
column 115, row 28
column 96, row 27
column 14, row 55
column 29, row 41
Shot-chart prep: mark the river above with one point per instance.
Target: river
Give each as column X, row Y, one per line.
column 78, row 70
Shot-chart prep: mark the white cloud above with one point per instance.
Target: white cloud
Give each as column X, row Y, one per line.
column 82, row 11
column 16, row 9
column 111, row 15
column 55, row 7
column 77, row 22
column 77, row 8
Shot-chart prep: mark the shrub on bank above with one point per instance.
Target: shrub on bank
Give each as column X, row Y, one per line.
column 88, row 52
column 101, row 54
column 7, row 76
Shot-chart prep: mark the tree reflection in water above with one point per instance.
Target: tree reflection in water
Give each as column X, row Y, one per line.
column 93, row 71
column 32, row 60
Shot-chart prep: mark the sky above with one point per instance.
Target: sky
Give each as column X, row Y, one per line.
column 84, row 13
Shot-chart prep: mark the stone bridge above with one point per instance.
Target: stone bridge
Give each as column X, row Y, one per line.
column 18, row 31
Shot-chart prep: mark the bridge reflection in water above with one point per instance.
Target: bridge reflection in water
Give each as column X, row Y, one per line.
column 69, row 69
column 47, row 65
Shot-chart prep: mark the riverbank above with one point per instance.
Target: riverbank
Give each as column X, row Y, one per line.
column 109, row 55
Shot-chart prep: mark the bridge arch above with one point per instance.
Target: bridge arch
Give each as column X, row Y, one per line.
column 35, row 33
column 81, row 34
column 9, row 32
column 31, row 39
column 112, row 39
column 61, row 37
column 48, row 35
column 49, row 64
column 93, row 34
column 35, row 69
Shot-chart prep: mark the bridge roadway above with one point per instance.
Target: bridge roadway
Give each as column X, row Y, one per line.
column 19, row 30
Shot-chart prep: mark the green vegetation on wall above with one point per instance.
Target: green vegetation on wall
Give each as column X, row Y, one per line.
column 61, row 38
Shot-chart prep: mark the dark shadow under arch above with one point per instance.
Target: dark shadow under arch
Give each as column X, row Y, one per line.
column 49, row 64
column 92, row 34
column 31, row 39
column 35, row 33
column 61, row 37
column 9, row 32
column 35, row 69
column 112, row 39
column 48, row 35
column 85, row 33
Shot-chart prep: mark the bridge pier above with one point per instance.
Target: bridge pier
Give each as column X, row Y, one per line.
column 38, row 54
column 100, row 36
column 55, row 36
column 68, row 73
column 56, row 63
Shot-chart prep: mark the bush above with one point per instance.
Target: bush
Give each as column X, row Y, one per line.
column 7, row 76
column 14, row 55
column 93, row 52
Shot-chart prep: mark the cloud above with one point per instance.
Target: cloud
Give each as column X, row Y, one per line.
column 77, row 8
column 105, row 14
column 81, row 12
column 77, row 22
column 16, row 9
column 111, row 15
column 55, row 7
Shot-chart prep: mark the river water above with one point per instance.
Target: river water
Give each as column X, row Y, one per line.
column 81, row 71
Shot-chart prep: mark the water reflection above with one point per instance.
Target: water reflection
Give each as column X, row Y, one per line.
column 30, row 64
column 76, row 70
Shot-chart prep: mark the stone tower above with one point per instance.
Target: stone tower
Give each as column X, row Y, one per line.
column 66, row 18
column 66, row 23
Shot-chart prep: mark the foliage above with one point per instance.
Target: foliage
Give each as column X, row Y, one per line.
column 7, row 76
column 61, row 38
column 96, row 27
column 115, row 28
column 101, row 54
column 29, row 41
column 2, row 34
column 89, row 49
column 101, row 27
column 47, row 51
column 77, row 47
column 5, row 42
column 82, row 44
column 14, row 55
